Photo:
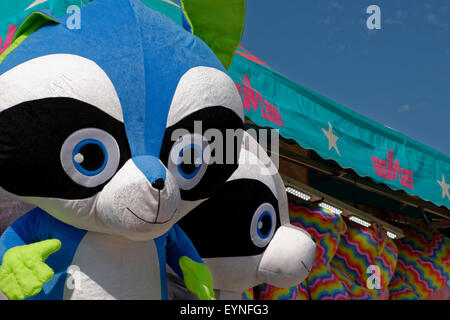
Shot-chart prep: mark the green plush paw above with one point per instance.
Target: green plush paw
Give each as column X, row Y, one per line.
column 24, row 271
column 197, row 278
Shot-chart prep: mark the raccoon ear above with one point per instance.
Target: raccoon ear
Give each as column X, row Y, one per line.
column 218, row 23
column 32, row 23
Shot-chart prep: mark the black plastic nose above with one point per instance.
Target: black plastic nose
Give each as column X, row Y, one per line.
column 158, row 184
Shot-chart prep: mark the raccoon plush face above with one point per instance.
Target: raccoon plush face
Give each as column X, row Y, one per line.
column 250, row 240
column 90, row 124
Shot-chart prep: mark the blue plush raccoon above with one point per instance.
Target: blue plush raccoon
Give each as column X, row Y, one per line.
column 94, row 126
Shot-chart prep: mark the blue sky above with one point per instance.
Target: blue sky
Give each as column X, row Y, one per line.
column 398, row 76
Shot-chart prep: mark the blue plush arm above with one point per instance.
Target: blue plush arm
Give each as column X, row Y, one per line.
column 20, row 233
column 184, row 259
column 179, row 245
column 24, row 272
column 35, row 227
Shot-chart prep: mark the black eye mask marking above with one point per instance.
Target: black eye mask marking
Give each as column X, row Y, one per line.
column 221, row 225
column 31, row 136
column 219, row 118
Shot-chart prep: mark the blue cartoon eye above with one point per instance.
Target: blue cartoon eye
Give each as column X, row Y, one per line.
column 263, row 224
column 90, row 157
column 190, row 161
column 187, row 160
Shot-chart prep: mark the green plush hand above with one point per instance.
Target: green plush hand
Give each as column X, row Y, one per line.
column 197, row 278
column 24, row 271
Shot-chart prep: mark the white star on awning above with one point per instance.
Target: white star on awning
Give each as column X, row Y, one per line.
column 168, row 1
column 332, row 138
column 35, row 3
column 444, row 187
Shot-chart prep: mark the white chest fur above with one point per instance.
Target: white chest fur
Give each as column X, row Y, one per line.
column 112, row 267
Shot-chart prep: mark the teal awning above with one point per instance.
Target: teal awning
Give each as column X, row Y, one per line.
column 313, row 121
column 13, row 13
column 335, row 132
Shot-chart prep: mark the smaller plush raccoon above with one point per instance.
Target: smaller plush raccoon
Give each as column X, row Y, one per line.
column 243, row 232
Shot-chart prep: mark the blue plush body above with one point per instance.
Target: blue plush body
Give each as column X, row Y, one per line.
column 37, row 226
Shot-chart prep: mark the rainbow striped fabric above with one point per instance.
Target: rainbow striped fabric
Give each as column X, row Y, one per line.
column 324, row 226
column 268, row 292
column 303, row 293
column 387, row 262
column 323, row 284
column 423, row 263
column 414, row 267
column 248, row 295
column 359, row 249
column 354, row 291
column 400, row 290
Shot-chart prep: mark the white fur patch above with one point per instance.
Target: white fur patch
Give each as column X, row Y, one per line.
column 288, row 258
column 114, row 268
column 203, row 87
column 252, row 167
column 60, row 75
column 235, row 274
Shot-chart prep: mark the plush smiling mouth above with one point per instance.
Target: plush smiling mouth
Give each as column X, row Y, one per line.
column 134, row 214
column 307, row 269
column 157, row 214
column 149, row 222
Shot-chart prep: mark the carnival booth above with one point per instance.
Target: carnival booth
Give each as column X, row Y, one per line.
column 375, row 201
column 365, row 209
